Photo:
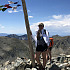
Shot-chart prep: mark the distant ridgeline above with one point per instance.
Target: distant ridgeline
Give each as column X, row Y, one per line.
column 22, row 37
column 61, row 44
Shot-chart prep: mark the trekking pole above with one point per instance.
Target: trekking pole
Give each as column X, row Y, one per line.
column 28, row 32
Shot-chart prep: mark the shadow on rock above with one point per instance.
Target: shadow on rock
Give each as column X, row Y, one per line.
column 54, row 67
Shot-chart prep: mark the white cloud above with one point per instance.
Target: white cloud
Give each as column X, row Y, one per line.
column 15, row 11
column 30, row 16
column 61, row 25
column 21, row 10
column 66, row 25
column 28, row 11
column 13, row 30
column 2, row 27
column 11, row 11
column 57, row 16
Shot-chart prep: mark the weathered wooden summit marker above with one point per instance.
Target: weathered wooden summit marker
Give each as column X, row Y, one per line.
column 28, row 32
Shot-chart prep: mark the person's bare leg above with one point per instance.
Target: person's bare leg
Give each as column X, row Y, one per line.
column 37, row 57
column 44, row 59
column 50, row 55
column 46, row 55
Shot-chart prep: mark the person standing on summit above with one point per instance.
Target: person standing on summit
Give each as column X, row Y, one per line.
column 42, row 43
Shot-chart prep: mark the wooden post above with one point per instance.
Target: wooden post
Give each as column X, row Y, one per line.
column 28, row 32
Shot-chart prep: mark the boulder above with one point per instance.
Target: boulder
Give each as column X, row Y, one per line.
column 54, row 67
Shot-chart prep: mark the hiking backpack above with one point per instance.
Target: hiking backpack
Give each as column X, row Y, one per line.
column 51, row 42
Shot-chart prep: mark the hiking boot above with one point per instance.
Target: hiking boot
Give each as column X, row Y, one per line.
column 43, row 68
column 40, row 67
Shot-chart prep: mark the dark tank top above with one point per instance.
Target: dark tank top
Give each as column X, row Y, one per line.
column 40, row 40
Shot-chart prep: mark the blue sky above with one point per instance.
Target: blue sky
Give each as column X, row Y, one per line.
column 55, row 14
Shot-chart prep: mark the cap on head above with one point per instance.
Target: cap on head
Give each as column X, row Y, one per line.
column 41, row 24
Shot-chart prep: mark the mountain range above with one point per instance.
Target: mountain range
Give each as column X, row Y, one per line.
column 3, row 34
column 61, row 45
column 22, row 37
column 12, row 46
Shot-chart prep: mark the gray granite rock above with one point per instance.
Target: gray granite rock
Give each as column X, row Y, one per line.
column 26, row 64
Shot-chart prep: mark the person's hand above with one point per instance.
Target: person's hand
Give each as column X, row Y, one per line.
column 38, row 33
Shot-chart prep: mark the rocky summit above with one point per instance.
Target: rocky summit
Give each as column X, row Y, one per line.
column 58, row 63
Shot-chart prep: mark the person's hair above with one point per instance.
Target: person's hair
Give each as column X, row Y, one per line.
column 41, row 24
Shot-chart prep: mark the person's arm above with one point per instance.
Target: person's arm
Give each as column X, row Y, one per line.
column 48, row 37
column 34, row 37
column 38, row 33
